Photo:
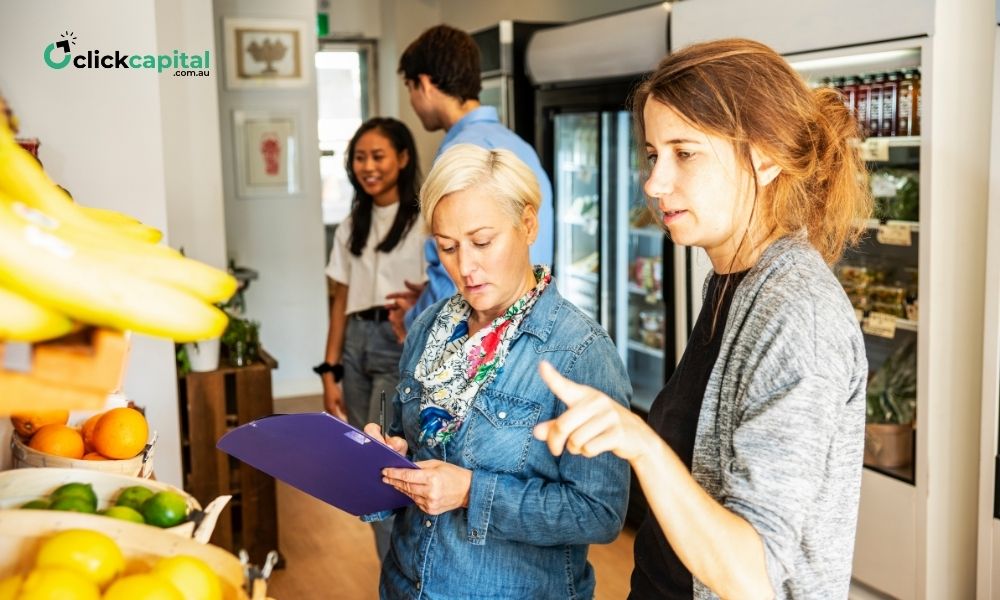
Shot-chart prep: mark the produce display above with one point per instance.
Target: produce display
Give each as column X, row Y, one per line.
column 134, row 503
column 119, row 433
column 62, row 264
column 80, row 563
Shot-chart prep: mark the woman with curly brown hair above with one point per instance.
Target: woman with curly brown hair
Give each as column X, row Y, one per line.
column 751, row 457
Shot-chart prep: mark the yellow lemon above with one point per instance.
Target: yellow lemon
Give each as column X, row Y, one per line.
column 48, row 583
column 10, row 586
column 191, row 576
column 92, row 554
column 142, row 587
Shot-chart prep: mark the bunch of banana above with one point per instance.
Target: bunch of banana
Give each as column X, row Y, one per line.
column 61, row 262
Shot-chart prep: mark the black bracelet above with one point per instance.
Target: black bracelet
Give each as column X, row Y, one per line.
column 325, row 367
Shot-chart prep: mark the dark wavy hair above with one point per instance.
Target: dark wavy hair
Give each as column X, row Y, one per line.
column 449, row 56
column 409, row 185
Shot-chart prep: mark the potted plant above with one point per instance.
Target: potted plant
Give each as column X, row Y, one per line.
column 891, row 410
column 241, row 341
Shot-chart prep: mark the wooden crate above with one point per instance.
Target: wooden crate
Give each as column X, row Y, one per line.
column 74, row 372
column 212, row 403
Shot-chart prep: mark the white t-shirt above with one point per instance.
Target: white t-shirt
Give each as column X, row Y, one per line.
column 372, row 275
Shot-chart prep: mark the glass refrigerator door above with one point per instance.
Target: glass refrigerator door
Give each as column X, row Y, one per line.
column 639, row 309
column 577, row 203
column 880, row 276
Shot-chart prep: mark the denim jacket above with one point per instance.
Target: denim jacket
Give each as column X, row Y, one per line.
column 531, row 515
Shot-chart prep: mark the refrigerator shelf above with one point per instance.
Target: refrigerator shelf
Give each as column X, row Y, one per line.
column 643, row 348
column 646, row 232
column 585, row 276
column 875, row 223
column 580, row 222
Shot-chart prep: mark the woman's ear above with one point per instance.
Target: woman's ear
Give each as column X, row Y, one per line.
column 529, row 221
column 765, row 169
column 404, row 159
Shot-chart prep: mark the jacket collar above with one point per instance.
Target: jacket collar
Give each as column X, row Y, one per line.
column 542, row 318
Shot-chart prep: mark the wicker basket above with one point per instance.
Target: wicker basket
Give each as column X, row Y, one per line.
column 22, row 531
column 140, row 465
column 23, row 485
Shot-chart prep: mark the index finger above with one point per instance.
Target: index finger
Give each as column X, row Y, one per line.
column 566, row 390
column 407, row 475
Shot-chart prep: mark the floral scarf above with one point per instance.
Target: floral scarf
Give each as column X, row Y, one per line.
column 454, row 366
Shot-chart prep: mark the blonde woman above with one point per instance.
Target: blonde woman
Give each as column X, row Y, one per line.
column 496, row 515
column 751, row 459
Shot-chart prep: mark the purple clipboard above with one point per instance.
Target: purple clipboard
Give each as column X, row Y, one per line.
column 322, row 456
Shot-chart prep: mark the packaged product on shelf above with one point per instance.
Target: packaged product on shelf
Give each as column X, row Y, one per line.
column 907, row 116
column 875, row 105
column 896, row 193
column 862, row 103
column 890, row 98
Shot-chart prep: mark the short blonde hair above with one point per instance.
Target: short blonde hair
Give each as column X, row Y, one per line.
column 500, row 173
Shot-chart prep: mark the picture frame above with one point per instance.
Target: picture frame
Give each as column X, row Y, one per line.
column 266, row 53
column 267, row 153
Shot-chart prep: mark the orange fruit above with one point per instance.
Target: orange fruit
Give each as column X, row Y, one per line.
column 120, row 433
column 94, row 456
column 59, row 440
column 88, row 431
column 28, row 423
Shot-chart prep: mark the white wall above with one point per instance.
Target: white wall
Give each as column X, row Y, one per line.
column 281, row 237
column 106, row 138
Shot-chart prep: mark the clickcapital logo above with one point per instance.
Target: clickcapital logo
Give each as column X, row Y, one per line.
column 59, row 55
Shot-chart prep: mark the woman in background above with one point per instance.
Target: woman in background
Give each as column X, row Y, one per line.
column 751, row 458
column 375, row 250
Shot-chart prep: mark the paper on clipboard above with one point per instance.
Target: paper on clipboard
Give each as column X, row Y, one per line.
column 322, row 456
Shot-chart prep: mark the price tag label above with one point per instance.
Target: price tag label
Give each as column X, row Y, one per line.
column 895, row 234
column 875, row 150
column 880, row 324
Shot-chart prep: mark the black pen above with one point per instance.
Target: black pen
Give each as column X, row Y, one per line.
column 381, row 414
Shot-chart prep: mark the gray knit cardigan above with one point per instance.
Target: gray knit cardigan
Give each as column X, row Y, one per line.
column 781, row 429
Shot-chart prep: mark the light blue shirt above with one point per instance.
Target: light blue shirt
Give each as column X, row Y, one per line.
column 482, row 127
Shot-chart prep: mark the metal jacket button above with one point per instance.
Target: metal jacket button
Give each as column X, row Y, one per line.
column 406, row 390
column 502, row 414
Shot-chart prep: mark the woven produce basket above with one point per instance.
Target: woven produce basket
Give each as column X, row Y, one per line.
column 22, row 531
column 140, row 465
column 23, row 485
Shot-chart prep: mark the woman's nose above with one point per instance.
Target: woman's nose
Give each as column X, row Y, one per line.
column 660, row 182
column 466, row 262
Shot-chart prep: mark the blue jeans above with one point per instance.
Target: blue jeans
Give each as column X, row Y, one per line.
column 371, row 365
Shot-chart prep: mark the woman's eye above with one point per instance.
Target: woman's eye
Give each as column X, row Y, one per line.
column 684, row 154
column 448, row 250
column 651, row 159
column 482, row 244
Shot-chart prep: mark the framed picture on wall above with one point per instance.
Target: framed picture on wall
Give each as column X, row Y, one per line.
column 266, row 53
column 267, row 155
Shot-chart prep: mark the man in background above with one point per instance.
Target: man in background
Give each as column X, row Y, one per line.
column 441, row 72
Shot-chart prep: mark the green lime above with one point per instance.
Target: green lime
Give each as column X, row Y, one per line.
column 72, row 504
column 124, row 513
column 40, row 504
column 82, row 491
column 165, row 509
column 133, row 497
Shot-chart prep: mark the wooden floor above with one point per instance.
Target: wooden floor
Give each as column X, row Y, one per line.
column 330, row 554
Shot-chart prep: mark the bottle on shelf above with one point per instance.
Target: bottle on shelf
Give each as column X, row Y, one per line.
column 862, row 103
column 907, row 114
column 875, row 105
column 890, row 104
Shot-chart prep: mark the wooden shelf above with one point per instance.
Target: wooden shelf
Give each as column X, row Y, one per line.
column 212, row 403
